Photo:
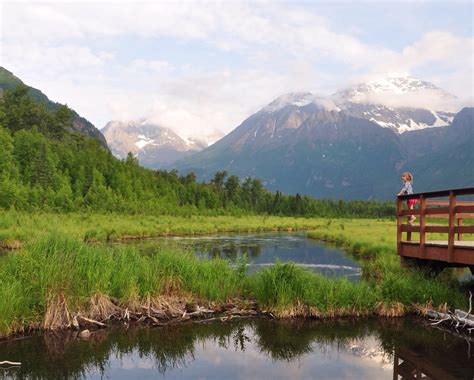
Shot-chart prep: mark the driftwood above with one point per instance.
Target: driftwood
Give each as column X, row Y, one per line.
column 160, row 311
column 101, row 324
column 460, row 320
column 9, row 363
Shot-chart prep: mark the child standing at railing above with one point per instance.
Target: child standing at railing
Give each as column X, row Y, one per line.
column 407, row 188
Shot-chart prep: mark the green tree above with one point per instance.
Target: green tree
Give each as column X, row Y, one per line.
column 218, row 180
column 232, row 187
column 36, row 161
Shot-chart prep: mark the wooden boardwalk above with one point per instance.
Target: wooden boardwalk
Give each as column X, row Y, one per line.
column 455, row 250
column 408, row 364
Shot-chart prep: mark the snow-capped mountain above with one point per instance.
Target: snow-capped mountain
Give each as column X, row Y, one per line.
column 391, row 83
column 333, row 147
column 399, row 102
column 298, row 145
column 154, row 146
column 396, row 101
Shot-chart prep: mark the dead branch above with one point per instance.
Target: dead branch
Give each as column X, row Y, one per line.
column 92, row 321
column 7, row 362
column 459, row 320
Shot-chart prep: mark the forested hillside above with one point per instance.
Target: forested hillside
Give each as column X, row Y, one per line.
column 9, row 82
column 45, row 165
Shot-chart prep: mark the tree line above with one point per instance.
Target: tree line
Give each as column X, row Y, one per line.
column 46, row 165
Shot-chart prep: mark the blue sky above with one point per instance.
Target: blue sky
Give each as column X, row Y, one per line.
column 198, row 67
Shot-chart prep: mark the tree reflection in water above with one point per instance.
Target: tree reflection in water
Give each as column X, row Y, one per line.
column 415, row 348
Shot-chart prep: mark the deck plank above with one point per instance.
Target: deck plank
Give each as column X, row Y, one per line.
column 443, row 243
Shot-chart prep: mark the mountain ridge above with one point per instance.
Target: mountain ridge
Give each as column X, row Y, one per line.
column 359, row 101
column 301, row 145
column 153, row 145
column 8, row 81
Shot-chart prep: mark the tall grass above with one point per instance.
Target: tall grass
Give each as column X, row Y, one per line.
column 58, row 265
column 284, row 285
column 63, row 267
column 375, row 248
column 96, row 227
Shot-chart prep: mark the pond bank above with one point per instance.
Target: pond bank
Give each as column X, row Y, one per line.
column 57, row 278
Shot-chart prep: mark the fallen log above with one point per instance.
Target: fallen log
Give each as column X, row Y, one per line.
column 92, row 321
column 459, row 320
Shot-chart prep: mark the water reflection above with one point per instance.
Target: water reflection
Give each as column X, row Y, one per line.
column 264, row 249
column 369, row 349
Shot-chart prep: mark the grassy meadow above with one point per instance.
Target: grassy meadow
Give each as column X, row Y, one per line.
column 58, row 269
column 22, row 227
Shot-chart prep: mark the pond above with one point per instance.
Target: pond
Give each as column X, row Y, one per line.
column 246, row 349
column 264, row 249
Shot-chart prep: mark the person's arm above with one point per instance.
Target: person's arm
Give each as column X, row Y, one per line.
column 404, row 189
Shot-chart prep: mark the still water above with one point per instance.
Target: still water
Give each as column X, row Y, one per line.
column 251, row 349
column 264, row 249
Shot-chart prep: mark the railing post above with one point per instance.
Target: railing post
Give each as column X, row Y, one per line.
column 459, row 225
column 399, row 226
column 422, row 227
column 396, row 362
column 452, row 216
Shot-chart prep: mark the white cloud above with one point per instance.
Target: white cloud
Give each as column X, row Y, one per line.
column 60, row 49
column 420, row 98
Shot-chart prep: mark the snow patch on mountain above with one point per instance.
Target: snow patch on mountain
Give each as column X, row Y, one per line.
column 143, row 141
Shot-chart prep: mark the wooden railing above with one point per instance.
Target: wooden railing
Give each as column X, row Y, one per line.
column 452, row 209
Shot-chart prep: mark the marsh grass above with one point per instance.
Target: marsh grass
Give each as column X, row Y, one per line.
column 294, row 291
column 50, row 279
column 374, row 245
column 63, row 272
column 95, row 227
column 59, row 271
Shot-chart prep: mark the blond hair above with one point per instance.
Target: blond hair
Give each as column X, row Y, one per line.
column 408, row 176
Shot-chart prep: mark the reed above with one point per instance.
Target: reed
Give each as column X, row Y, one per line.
column 58, row 266
column 55, row 277
column 22, row 227
column 374, row 246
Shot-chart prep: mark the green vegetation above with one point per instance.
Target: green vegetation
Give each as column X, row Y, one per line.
column 46, row 165
column 62, row 190
column 29, row 227
column 373, row 242
column 58, row 272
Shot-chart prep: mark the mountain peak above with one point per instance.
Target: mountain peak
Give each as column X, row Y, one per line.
column 398, row 101
column 391, row 84
column 299, row 99
column 155, row 146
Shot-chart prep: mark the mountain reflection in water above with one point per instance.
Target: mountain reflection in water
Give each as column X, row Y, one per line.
column 343, row 349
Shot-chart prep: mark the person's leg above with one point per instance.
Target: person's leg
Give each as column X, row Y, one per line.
column 412, row 217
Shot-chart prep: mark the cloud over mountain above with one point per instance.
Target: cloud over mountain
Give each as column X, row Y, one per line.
column 210, row 64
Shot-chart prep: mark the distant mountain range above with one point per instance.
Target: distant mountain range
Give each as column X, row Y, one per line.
column 8, row 81
column 153, row 145
column 157, row 146
column 351, row 145
column 348, row 145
